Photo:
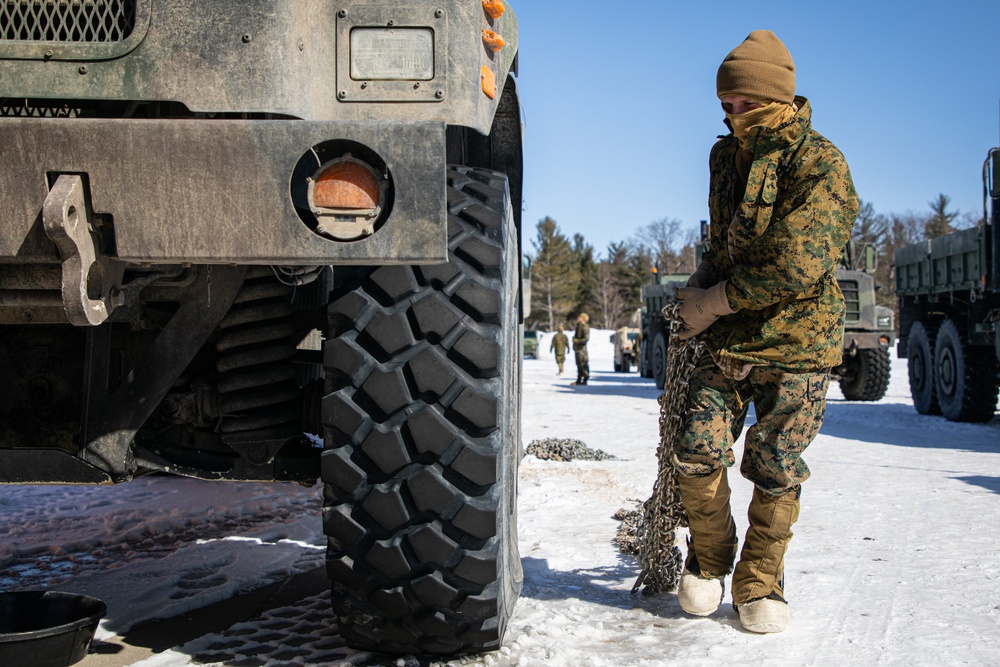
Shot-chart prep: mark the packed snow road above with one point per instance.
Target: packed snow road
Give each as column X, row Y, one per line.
column 895, row 559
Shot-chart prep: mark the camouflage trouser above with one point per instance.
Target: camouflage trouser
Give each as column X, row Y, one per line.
column 582, row 363
column 560, row 360
column 789, row 409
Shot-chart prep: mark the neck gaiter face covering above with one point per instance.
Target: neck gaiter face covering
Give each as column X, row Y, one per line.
column 769, row 115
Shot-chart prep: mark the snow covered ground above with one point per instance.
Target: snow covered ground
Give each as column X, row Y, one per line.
column 895, row 560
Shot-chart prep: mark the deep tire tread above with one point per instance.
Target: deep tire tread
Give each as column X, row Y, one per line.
column 872, row 380
column 972, row 395
column 920, row 351
column 416, row 421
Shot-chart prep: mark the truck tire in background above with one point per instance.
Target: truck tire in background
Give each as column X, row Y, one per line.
column 645, row 370
column 920, row 368
column 965, row 378
column 868, row 375
column 421, row 419
column 658, row 356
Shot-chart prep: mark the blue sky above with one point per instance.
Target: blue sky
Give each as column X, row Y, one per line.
column 620, row 109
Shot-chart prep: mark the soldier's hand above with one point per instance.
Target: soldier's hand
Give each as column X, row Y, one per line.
column 700, row 276
column 700, row 308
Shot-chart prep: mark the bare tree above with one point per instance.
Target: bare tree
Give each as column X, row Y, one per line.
column 870, row 228
column 904, row 229
column 970, row 219
column 670, row 245
column 608, row 296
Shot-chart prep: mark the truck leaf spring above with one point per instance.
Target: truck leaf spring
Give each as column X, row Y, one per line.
column 258, row 392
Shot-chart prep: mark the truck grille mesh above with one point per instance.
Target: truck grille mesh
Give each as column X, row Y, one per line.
column 72, row 21
column 24, row 109
column 852, row 299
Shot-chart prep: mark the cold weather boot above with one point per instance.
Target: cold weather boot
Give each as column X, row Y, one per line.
column 757, row 580
column 764, row 615
column 712, row 547
column 698, row 595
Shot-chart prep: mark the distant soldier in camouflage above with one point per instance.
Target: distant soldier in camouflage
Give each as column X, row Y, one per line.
column 580, row 338
column 766, row 302
column 560, row 343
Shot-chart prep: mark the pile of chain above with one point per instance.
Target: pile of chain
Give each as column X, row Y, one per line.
column 565, row 449
column 659, row 517
column 627, row 537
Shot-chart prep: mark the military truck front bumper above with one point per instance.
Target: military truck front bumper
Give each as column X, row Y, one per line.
column 867, row 340
column 217, row 191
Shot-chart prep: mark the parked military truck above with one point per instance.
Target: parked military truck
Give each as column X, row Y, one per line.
column 869, row 332
column 626, row 344
column 949, row 314
column 655, row 328
column 226, row 225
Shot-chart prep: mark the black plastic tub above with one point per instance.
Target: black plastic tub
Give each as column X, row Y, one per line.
column 47, row 628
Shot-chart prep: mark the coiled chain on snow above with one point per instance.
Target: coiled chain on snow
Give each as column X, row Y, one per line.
column 663, row 513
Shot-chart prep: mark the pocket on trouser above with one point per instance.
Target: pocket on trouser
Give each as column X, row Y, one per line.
column 706, row 442
column 790, row 408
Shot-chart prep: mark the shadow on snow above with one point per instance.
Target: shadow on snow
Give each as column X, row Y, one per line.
column 902, row 426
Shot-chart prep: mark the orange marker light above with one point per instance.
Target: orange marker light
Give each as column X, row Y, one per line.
column 346, row 185
column 494, row 8
column 489, row 82
column 493, row 41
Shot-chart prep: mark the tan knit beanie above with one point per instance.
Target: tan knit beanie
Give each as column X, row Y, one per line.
column 760, row 68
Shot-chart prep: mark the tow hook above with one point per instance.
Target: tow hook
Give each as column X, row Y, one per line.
column 88, row 293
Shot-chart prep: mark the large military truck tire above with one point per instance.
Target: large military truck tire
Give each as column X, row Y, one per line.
column 659, row 360
column 421, row 419
column 920, row 368
column 965, row 379
column 867, row 378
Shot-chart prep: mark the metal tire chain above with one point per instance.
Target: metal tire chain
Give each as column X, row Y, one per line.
column 660, row 516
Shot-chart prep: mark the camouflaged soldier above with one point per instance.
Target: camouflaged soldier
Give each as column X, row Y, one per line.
column 580, row 338
column 560, row 343
column 782, row 204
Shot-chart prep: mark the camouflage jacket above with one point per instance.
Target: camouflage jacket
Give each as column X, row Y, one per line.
column 581, row 336
column 559, row 343
column 778, row 246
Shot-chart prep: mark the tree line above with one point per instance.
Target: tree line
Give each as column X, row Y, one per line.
column 568, row 277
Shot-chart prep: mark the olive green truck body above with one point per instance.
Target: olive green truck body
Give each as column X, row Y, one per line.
column 277, row 240
column 949, row 315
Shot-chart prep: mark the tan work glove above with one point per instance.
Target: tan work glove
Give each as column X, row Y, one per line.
column 700, row 308
column 700, row 276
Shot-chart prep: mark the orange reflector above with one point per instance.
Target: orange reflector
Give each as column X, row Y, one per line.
column 493, row 41
column 489, row 82
column 346, row 185
column 494, row 8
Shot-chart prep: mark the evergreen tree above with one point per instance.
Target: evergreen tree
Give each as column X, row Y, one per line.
column 940, row 221
column 588, row 278
column 872, row 229
column 554, row 274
